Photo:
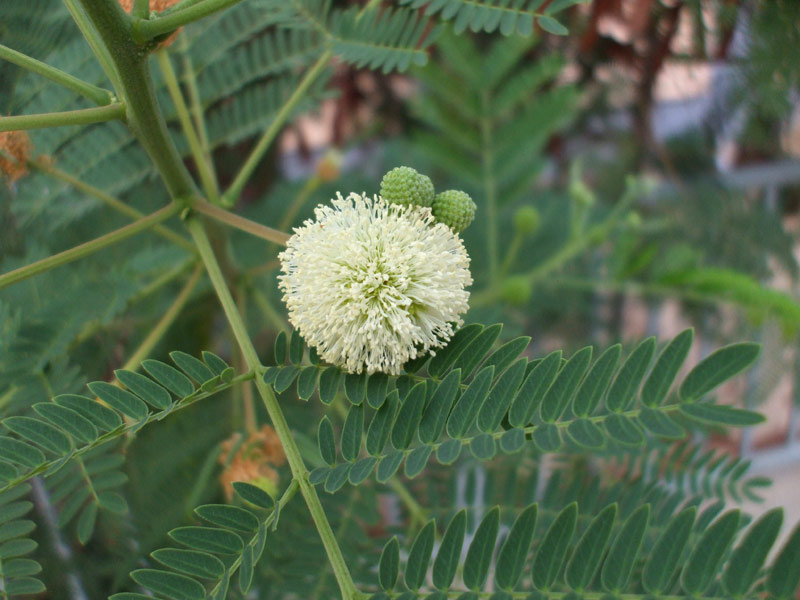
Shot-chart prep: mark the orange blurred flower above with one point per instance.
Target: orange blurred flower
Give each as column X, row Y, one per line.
column 17, row 145
column 252, row 461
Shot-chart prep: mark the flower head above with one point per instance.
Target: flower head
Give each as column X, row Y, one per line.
column 251, row 460
column 372, row 285
column 15, row 146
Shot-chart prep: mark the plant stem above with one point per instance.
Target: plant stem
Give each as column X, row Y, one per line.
column 511, row 254
column 111, row 201
column 246, row 225
column 84, row 116
column 146, row 30
column 295, row 460
column 164, row 323
column 87, row 248
column 145, row 119
column 207, row 177
column 232, row 193
column 140, row 9
column 489, row 190
column 190, row 79
column 92, row 92
column 94, row 41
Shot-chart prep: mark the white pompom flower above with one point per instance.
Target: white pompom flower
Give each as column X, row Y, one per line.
column 372, row 285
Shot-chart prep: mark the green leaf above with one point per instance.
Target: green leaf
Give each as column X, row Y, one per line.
column 623, row 391
column 666, row 369
column 507, row 354
column 209, row 539
column 419, row 556
column 190, row 562
column 319, row 475
column 172, row 379
column 226, row 515
column 446, row 563
column 624, row 430
column 467, row 407
column 596, row 382
column 352, row 432
column 547, row 565
column 361, row 470
column 514, row 553
column 7, row 472
column 376, row 389
column 660, row 565
column 296, row 348
column 476, row 350
column 329, row 384
column 120, row 399
column 586, row 434
column 253, row 494
column 550, row 25
column 214, row 362
column 23, row 586
column 20, row 452
column 389, row 565
column 21, row 567
column 16, row 548
column 706, row 557
column 171, row 585
column 40, row 433
column 494, row 408
column 112, row 502
column 746, row 561
column 326, row 441
column 483, row 447
column 512, row 441
column 15, row 529
column 68, row 420
column 14, row 510
column 280, row 348
column 416, row 461
column 285, row 378
column 479, row 555
column 622, row 555
column 448, row 452
column 246, row 569
column 659, row 423
column 193, row 367
column 558, row 396
column 388, row 466
column 307, row 382
column 532, row 392
column 355, row 387
column 381, row 426
column 86, row 522
column 720, row 414
column 547, row 438
column 435, row 416
column 408, row 418
column 785, row 572
column 717, row 368
column 445, row 357
column 101, row 416
column 586, row 558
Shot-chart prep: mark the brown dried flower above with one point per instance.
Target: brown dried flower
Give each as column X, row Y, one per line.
column 17, row 145
column 252, row 460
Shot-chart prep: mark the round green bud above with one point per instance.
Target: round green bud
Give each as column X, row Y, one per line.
column 455, row 209
column 516, row 290
column 581, row 193
column 526, row 220
column 633, row 219
column 405, row 186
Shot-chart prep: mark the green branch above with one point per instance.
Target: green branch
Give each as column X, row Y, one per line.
column 87, row 248
column 295, row 460
column 93, row 39
column 130, row 427
column 232, row 193
column 246, row 225
column 84, row 116
column 146, row 30
column 140, row 9
column 92, row 92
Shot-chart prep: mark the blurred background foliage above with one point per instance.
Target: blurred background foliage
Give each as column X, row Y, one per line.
column 631, row 178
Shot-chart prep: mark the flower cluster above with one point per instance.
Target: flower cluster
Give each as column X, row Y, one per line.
column 372, row 285
column 252, row 461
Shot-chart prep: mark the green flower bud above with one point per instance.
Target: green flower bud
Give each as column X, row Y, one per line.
column 405, row 186
column 516, row 290
column 526, row 220
column 455, row 209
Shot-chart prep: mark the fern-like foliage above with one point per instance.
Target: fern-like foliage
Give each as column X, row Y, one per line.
column 490, row 401
column 17, row 574
column 508, row 17
column 606, row 555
